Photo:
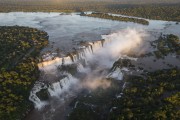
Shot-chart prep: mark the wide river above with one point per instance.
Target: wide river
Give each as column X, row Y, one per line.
column 65, row 31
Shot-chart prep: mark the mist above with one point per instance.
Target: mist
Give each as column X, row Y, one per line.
column 94, row 73
column 117, row 45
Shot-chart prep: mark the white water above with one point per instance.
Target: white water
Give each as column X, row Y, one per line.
column 34, row 98
column 108, row 50
column 101, row 53
column 63, row 85
column 82, row 54
column 117, row 74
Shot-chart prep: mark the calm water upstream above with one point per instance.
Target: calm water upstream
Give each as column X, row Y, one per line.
column 66, row 30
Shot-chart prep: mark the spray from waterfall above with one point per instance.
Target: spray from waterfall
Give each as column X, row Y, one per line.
column 115, row 46
column 99, row 56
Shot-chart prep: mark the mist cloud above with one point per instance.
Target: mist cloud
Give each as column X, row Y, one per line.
column 94, row 83
column 118, row 44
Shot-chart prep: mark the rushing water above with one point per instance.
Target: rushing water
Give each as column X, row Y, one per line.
column 65, row 32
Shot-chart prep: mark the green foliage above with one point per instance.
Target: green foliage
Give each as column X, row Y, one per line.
column 154, row 97
column 18, row 68
column 170, row 12
column 118, row 18
column 149, row 98
column 174, row 99
column 167, row 44
column 18, row 42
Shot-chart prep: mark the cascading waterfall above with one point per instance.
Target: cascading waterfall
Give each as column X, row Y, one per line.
column 62, row 85
column 82, row 69
column 104, row 51
column 57, row 88
column 48, row 65
column 54, row 89
column 34, row 98
column 81, row 54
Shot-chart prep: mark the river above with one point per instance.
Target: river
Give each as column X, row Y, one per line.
column 66, row 31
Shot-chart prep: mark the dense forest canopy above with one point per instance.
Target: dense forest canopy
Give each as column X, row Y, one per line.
column 19, row 47
column 161, row 9
column 117, row 18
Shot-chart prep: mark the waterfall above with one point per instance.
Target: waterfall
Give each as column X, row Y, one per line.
column 82, row 69
column 67, row 60
column 75, row 58
column 82, row 53
column 89, row 62
column 88, row 50
column 48, row 65
column 34, row 98
column 59, row 87
column 116, row 74
column 54, row 89
column 97, row 45
column 63, row 85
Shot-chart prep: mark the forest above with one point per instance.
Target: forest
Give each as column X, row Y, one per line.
column 155, row 96
column 19, row 48
column 169, row 12
column 117, row 18
column 160, row 11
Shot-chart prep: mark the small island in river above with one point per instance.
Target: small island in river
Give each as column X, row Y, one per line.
column 117, row 18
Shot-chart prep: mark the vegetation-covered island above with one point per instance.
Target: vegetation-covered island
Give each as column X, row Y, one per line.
column 166, row 44
column 19, row 47
column 117, row 18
